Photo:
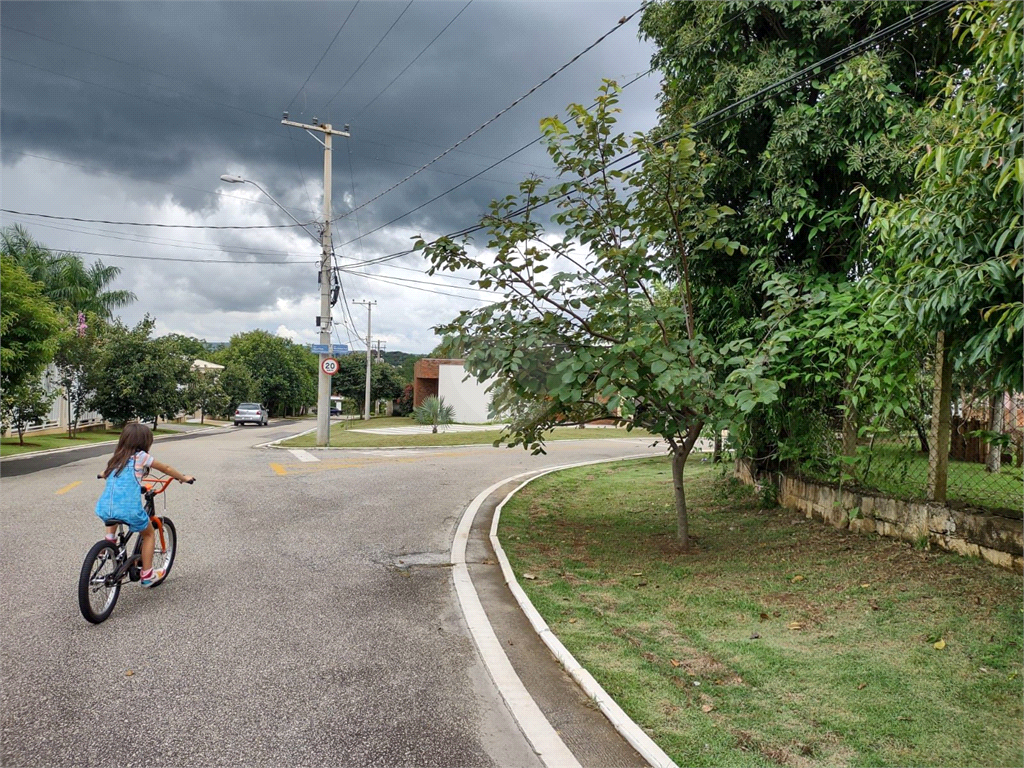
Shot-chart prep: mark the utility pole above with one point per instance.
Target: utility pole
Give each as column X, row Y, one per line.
column 323, row 400
column 369, row 354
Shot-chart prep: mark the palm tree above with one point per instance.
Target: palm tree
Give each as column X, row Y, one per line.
column 66, row 280
column 433, row 411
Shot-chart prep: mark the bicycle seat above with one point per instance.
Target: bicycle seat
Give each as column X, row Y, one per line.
column 115, row 521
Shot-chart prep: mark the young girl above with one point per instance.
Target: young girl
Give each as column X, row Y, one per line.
column 122, row 495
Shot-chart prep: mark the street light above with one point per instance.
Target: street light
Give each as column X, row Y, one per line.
column 323, row 409
column 233, row 179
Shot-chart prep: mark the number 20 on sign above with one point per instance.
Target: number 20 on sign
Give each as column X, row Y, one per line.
column 329, row 366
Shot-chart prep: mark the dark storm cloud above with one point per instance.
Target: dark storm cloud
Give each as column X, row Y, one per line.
column 153, row 101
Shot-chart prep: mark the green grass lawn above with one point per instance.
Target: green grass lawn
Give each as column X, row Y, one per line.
column 342, row 435
column 9, row 445
column 777, row 640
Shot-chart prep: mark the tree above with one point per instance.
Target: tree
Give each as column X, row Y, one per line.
column 350, row 380
column 792, row 165
column 142, row 378
column 949, row 252
column 207, row 394
column 76, row 362
column 614, row 332
column 68, row 282
column 435, row 412
column 22, row 405
column 238, row 384
column 283, row 373
column 30, row 327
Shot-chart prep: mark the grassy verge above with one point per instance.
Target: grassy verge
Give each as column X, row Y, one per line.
column 9, row 445
column 778, row 641
column 342, row 436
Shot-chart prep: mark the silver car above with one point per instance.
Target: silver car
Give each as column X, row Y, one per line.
column 251, row 413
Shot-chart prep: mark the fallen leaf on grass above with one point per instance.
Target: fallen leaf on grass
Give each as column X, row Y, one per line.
column 939, row 645
column 675, row 663
column 754, row 636
column 874, row 605
column 795, row 625
column 639, row 573
column 529, row 576
column 572, row 621
column 764, row 617
column 798, row 578
column 862, row 686
column 865, row 586
column 706, row 708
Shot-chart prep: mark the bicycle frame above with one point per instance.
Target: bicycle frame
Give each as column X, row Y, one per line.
column 128, row 565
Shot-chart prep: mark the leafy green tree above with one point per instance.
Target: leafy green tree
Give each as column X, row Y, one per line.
column 76, row 361
column 950, row 251
column 238, row 384
column 208, row 394
column 284, row 373
column 350, row 380
column 142, row 378
column 435, row 412
column 30, row 327
column 23, row 405
column 68, row 282
column 599, row 318
column 792, row 165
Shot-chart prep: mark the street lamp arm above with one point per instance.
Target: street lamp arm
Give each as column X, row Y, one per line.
column 231, row 179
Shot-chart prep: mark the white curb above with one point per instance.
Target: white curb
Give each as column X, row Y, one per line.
column 534, row 724
column 625, row 725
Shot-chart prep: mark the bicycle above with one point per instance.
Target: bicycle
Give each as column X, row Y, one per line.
column 108, row 563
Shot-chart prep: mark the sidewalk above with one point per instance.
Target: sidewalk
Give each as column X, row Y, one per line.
column 426, row 429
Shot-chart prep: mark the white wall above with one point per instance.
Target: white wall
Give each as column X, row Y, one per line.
column 469, row 398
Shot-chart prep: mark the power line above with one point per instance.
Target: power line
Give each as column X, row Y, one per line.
column 148, row 224
column 368, row 55
column 193, row 261
column 320, row 60
column 473, row 133
column 395, row 78
column 746, row 103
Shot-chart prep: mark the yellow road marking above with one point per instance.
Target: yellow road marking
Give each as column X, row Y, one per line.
column 308, row 468
column 67, row 488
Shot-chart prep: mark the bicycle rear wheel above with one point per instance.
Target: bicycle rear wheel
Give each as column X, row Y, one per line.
column 97, row 590
column 165, row 548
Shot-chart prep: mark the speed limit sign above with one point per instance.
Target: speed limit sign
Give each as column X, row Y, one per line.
column 329, row 366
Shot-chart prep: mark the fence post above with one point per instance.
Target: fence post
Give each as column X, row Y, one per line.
column 994, row 460
column 938, row 457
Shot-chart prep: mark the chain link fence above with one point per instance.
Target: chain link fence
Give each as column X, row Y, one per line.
column 892, row 458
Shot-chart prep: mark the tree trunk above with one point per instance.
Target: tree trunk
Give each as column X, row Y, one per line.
column 938, row 458
column 67, row 394
column 435, row 429
column 682, row 530
column 716, row 457
column 922, row 437
column 995, row 424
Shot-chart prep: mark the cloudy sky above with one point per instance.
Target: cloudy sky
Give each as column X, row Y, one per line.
column 130, row 112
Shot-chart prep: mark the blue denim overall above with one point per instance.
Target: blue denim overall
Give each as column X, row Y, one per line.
column 122, row 499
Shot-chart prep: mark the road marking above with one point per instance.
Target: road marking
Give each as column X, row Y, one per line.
column 67, row 488
column 361, row 461
column 302, row 455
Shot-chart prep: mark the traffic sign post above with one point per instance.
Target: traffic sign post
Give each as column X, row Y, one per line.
column 329, row 366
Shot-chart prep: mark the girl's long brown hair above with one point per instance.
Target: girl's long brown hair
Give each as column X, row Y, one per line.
column 134, row 437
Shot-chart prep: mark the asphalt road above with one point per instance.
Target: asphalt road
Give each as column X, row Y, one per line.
column 310, row 618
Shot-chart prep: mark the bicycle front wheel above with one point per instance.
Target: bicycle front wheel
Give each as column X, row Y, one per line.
column 165, row 548
column 97, row 588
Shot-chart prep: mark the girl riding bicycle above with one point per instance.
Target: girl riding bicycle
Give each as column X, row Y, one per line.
column 122, row 496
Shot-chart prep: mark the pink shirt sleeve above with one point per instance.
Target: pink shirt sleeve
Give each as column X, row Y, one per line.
column 143, row 461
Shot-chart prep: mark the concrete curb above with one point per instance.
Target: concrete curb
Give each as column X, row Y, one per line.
column 275, row 444
column 630, row 731
column 49, row 451
column 531, row 720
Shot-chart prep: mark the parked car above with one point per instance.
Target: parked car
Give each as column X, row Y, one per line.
column 335, row 411
column 251, row 413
